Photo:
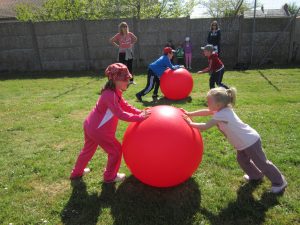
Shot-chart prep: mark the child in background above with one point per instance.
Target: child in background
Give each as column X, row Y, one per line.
column 171, row 45
column 245, row 139
column 188, row 53
column 180, row 55
column 155, row 71
column 100, row 126
column 215, row 67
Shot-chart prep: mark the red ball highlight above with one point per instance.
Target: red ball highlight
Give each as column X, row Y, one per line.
column 163, row 150
column 176, row 84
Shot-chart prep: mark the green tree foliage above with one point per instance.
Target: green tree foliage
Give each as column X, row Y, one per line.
column 293, row 8
column 224, row 8
column 104, row 9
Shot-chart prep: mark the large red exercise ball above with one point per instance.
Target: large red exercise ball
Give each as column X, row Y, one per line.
column 176, row 84
column 163, row 150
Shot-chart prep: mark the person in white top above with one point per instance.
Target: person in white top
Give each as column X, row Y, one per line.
column 244, row 138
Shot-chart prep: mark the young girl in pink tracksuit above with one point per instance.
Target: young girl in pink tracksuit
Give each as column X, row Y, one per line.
column 100, row 126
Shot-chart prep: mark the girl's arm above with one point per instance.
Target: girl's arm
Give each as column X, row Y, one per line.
column 113, row 41
column 134, row 38
column 115, row 107
column 201, row 112
column 129, row 108
column 201, row 126
column 207, row 69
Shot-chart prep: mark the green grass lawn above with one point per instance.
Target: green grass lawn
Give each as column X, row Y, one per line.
column 41, row 135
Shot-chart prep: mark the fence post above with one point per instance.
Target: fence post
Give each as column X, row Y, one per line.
column 36, row 46
column 188, row 26
column 85, row 45
column 136, row 25
column 240, row 41
column 292, row 41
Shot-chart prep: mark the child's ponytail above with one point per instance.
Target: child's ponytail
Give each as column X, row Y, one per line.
column 231, row 92
column 225, row 96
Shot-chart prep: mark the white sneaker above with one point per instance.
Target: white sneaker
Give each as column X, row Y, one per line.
column 132, row 82
column 247, row 178
column 278, row 189
column 119, row 178
column 86, row 171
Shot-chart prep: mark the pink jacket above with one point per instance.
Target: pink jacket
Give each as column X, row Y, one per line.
column 110, row 107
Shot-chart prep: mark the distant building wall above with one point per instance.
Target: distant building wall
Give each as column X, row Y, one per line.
column 83, row 45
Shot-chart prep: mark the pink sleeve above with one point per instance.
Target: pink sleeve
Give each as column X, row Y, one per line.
column 132, row 36
column 112, row 102
column 116, row 37
column 129, row 108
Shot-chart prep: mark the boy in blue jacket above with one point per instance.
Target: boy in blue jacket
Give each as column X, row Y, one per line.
column 155, row 71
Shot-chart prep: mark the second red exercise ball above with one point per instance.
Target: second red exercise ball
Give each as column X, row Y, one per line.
column 176, row 84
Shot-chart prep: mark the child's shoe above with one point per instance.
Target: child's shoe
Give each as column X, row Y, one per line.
column 139, row 98
column 155, row 98
column 247, row 178
column 132, row 82
column 85, row 171
column 119, row 178
column 279, row 189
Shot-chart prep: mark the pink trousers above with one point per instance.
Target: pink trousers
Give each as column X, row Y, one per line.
column 110, row 145
column 188, row 60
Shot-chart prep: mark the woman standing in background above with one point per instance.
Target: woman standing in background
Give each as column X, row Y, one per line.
column 214, row 36
column 124, row 41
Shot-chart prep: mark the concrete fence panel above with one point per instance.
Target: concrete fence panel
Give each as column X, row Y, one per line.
column 82, row 45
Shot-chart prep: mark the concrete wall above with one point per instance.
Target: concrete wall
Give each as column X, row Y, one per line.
column 295, row 43
column 82, row 45
column 267, row 31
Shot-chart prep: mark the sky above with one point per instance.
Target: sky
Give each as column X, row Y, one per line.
column 268, row 4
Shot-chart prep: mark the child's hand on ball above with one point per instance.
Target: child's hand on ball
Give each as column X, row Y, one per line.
column 146, row 113
column 187, row 119
column 184, row 111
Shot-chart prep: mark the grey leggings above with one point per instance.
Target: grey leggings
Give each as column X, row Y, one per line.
column 253, row 161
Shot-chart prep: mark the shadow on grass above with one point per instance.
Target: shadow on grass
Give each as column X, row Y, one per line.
column 165, row 101
column 270, row 82
column 137, row 203
column 73, row 89
column 245, row 210
column 85, row 208
column 134, row 203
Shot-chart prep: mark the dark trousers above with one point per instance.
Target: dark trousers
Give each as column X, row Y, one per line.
column 152, row 81
column 216, row 78
column 180, row 61
column 128, row 62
